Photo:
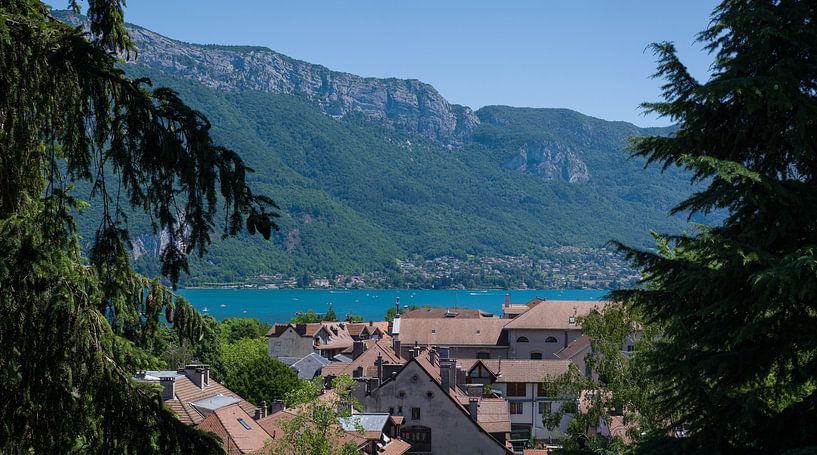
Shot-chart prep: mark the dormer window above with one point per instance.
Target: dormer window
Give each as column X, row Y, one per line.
column 571, row 320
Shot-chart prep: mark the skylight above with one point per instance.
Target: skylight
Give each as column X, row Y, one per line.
column 244, row 424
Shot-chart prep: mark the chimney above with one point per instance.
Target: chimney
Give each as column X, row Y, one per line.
column 257, row 415
column 277, row 406
column 397, row 304
column 473, row 406
column 372, row 384
column 379, row 364
column 475, row 390
column 395, row 345
column 445, row 374
column 357, row 348
column 507, row 299
column 263, row 408
column 460, row 376
column 432, row 355
column 357, row 372
column 198, row 374
column 168, row 388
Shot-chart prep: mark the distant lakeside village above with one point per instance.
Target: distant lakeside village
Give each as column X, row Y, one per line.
column 430, row 381
column 563, row 268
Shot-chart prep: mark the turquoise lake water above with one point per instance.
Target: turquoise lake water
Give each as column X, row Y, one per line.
column 280, row 305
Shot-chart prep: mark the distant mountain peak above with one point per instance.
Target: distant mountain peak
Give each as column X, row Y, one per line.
column 402, row 104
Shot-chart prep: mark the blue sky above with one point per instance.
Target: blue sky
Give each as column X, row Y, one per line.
column 583, row 55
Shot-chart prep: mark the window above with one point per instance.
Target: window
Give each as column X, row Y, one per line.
column 551, row 340
column 244, row 424
column 522, row 340
column 516, row 389
column 391, row 411
column 630, row 348
column 483, row 355
column 415, row 413
column 399, row 410
column 418, row 437
column 536, row 356
column 540, row 390
column 545, row 407
column 516, row 408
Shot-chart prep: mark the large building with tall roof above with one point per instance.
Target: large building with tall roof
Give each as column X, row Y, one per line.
column 438, row 416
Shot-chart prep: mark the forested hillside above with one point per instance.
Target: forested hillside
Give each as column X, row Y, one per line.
column 358, row 191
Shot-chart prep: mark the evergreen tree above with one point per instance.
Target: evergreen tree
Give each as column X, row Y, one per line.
column 74, row 329
column 330, row 315
column 737, row 303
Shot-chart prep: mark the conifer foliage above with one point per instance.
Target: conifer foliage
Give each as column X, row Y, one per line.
column 74, row 329
column 737, row 303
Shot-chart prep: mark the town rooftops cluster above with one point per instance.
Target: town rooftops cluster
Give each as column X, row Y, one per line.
column 435, row 380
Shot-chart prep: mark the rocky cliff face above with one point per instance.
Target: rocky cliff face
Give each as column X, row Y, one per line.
column 549, row 160
column 407, row 105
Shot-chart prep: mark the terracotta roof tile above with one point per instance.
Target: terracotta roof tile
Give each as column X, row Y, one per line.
column 492, row 413
column 366, row 360
column 395, row 447
column 447, row 313
column 555, row 314
column 523, row 370
column 228, row 423
column 356, row 328
column 452, row 331
column 273, row 424
column 578, row 346
column 187, row 392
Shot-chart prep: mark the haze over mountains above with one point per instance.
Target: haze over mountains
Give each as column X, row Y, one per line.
column 368, row 170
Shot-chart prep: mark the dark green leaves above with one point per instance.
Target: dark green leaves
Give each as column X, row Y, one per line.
column 736, row 304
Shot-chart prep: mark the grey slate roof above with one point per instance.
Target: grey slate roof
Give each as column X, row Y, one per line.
column 288, row 360
column 365, row 422
column 342, row 358
column 310, row 365
column 215, row 402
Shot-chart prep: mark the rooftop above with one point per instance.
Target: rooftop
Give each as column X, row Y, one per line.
column 450, row 313
column 238, row 431
column 555, row 314
column 521, row 370
column 452, row 331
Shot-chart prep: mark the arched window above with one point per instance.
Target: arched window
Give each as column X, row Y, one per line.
column 536, row 356
column 522, row 340
column 551, row 340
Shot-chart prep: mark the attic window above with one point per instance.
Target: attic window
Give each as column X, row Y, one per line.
column 571, row 319
column 244, row 424
column 401, row 394
column 433, row 330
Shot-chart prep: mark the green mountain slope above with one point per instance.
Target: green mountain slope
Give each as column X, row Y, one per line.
column 355, row 195
column 369, row 171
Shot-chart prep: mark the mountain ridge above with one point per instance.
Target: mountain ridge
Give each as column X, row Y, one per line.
column 368, row 190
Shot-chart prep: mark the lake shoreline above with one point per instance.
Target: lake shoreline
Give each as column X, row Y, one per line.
column 280, row 305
